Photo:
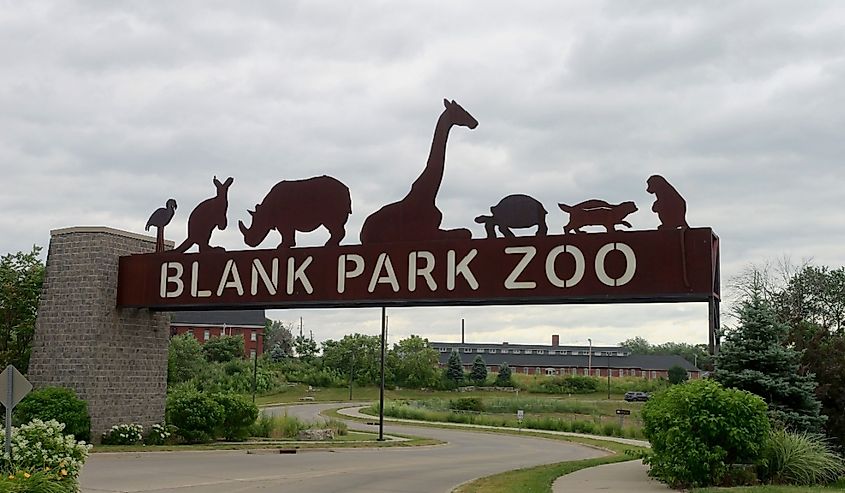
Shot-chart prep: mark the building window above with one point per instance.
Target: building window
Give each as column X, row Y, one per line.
column 206, row 335
column 653, row 374
column 253, row 337
column 525, row 370
column 516, row 351
column 540, row 351
column 537, row 371
column 550, row 371
column 493, row 351
column 467, row 350
column 251, row 353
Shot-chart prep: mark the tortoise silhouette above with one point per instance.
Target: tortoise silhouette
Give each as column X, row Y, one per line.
column 515, row 211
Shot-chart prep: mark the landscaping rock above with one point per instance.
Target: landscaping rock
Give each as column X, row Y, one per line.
column 317, row 435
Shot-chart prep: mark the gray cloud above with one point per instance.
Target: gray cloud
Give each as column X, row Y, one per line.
column 110, row 108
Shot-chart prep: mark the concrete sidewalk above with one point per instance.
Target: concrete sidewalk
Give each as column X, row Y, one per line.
column 630, row 477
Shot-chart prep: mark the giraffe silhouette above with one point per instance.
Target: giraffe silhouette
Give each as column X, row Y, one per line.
column 416, row 217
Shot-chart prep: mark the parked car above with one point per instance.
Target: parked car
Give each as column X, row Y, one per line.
column 636, row 396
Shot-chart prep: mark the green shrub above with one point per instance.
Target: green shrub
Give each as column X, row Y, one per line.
column 466, row 404
column 262, row 427
column 238, row 415
column 128, row 434
column 38, row 445
column 699, row 429
column 620, row 385
column 56, row 403
column 800, row 459
column 196, row 416
column 322, row 377
column 286, row 426
column 37, row 482
column 568, row 384
column 159, row 434
column 223, row 348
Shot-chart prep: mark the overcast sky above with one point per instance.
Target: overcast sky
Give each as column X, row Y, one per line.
column 109, row 108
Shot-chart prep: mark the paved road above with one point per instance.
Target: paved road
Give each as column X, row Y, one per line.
column 466, row 456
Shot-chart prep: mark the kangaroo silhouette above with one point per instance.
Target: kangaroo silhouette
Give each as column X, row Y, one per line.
column 207, row 215
column 161, row 218
column 416, row 217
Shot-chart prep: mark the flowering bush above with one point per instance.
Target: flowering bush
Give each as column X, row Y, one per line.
column 37, row 482
column 41, row 446
column 130, row 434
column 158, row 435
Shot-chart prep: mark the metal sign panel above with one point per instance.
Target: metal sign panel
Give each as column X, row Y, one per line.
column 20, row 386
column 635, row 266
column 623, row 412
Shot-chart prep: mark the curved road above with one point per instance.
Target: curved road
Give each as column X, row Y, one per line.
column 466, row 456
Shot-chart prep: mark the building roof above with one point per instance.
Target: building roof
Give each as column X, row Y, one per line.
column 641, row 361
column 500, row 345
column 219, row 318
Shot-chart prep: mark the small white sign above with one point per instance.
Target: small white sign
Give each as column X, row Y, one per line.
column 520, row 414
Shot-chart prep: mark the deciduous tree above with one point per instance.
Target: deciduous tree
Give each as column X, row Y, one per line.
column 416, row 363
column 223, row 348
column 21, row 277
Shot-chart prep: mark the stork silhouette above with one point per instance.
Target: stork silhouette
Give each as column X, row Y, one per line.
column 161, row 218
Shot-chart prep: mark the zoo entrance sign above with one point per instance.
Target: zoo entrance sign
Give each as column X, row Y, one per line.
column 405, row 257
column 596, row 268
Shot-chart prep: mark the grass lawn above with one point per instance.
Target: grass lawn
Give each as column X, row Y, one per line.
column 539, row 479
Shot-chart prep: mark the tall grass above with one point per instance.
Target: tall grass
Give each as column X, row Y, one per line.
column 593, row 427
column 801, row 459
column 285, row 426
column 512, row 404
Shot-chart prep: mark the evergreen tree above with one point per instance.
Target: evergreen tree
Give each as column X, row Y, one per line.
column 478, row 374
column 455, row 369
column 677, row 375
column 503, row 379
column 753, row 358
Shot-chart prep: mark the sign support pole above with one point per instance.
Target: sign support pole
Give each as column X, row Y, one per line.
column 10, row 385
column 381, row 387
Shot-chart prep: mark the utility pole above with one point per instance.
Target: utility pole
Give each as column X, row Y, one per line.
column 381, row 387
column 351, row 372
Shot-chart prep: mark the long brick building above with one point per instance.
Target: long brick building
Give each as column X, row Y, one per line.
column 554, row 359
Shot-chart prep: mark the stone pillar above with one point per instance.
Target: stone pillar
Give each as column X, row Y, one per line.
column 115, row 359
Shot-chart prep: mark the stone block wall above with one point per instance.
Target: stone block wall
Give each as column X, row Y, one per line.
column 115, row 359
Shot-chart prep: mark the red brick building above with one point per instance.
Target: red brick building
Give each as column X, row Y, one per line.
column 532, row 359
column 204, row 325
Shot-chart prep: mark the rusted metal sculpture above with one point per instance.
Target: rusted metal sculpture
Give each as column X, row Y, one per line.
column 515, row 211
column 416, row 217
column 161, row 218
column 209, row 214
column 597, row 213
column 300, row 205
column 670, row 207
